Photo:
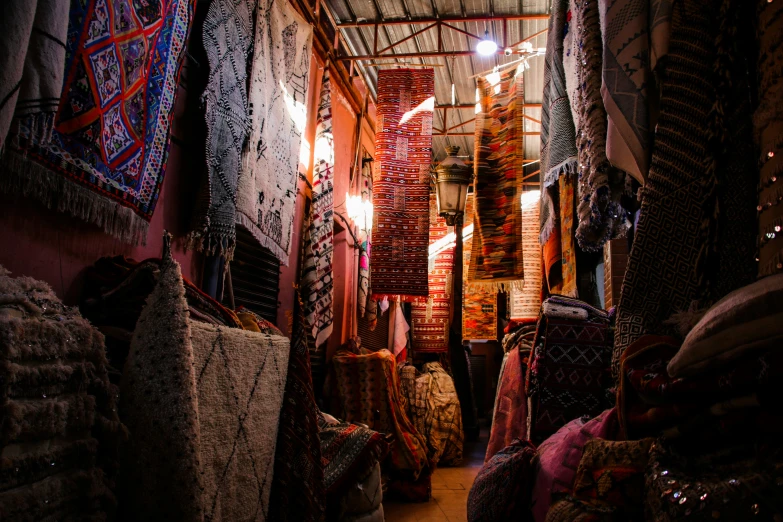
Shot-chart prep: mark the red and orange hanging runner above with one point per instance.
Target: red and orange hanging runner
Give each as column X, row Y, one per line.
column 403, row 144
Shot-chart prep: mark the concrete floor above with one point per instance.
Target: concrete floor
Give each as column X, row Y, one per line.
column 450, row 488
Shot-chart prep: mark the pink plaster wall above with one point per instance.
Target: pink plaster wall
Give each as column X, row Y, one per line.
column 56, row 247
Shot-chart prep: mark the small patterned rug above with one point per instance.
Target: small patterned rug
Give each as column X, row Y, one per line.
column 280, row 75
column 106, row 157
column 526, row 302
column 430, row 320
column 497, row 239
column 403, row 144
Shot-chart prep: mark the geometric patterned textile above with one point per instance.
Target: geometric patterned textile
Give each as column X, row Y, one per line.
column 401, row 186
column 227, row 38
column 526, row 302
column 106, row 157
column 479, row 311
column 699, row 182
column 202, row 404
column 365, row 239
column 497, row 248
column 569, row 373
column 567, row 186
column 317, row 282
column 430, row 320
column 266, row 192
column 348, row 451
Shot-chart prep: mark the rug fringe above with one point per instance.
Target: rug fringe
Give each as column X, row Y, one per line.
column 23, row 176
column 263, row 239
column 401, row 298
column 498, row 286
column 211, row 244
column 567, row 167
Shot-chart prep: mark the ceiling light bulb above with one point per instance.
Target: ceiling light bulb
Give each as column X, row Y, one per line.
column 486, row 47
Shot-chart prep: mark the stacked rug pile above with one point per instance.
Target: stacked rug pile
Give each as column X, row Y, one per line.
column 60, row 432
column 434, row 409
column 570, row 368
column 202, row 402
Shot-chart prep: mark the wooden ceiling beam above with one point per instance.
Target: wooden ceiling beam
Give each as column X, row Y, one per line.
column 442, row 19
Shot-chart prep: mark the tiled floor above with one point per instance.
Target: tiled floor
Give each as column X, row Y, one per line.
column 450, row 488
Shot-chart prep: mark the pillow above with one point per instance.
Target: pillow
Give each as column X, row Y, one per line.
column 749, row 318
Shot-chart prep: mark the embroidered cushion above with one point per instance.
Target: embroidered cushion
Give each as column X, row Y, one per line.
column 749, row 318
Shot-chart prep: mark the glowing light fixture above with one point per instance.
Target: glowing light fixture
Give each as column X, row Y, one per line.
column 487, row 46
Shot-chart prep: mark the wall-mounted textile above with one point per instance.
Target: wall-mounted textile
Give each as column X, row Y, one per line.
column 479, row 304
column 635, row 39
column 695, row 236
column 280, row 75
column 365, row 238
column 430, row 319
column 32, row 64
column 403, row 144
column 228, row 38
column 105, row 159
column 567, row 200
column 317, row 282
column 601, row 185
column 526, row 302
column 497, row 257
column 60, row 431
column 202, row 403
column 768, row 127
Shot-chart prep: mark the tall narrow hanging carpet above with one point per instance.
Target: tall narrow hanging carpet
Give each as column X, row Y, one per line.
column 105, row 158
column 403, row 142
column 500, row 153
column 479, row 313
column 228, row 37
column 430, row 320
column 365, row 237
column 526, row 301
column 317, row 282
column 266, row 191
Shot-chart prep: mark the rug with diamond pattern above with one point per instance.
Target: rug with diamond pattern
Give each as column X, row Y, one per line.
column 569, row 374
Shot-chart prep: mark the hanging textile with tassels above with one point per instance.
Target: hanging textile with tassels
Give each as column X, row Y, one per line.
column 500, row 152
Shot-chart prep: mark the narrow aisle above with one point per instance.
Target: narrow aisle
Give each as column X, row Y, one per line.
column 450, row 488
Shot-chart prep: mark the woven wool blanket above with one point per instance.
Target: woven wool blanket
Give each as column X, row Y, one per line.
column 227, row 37
column 509, row 420
column 369, row 390
column 635, row 39
column 497, row 256
column 105, row 159
column 202, row 403
column 280, row 75
column 317, row 281
column 695, row 235
column 60, row 432
column 430, row 320
column 349, row 451
column 403, row 144
column 32, row 64
column 526, row 302
column 479, row 314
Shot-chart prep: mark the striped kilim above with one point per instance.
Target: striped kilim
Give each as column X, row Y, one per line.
column 526, row 301
column 500, row 153
column 431, row 319
column 403, row 144
column 479, row 315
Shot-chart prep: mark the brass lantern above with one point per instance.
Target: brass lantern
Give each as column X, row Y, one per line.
column 452, row 179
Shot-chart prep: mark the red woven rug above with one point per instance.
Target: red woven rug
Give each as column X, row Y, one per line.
column 500, row 154
column 431, row 319
column 403, row 144
column 479, row 316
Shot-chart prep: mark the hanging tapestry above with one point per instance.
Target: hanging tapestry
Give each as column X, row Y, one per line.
column 105, row 159
column 635, row 39
column 32, row 64
column 567, row 186
column 365, row 236
column 280, row 74
column 500, row 153
column 479, row 316
column 431, row 318
column 526, row 301
column 228, row 37
column 601, row 185
column 403, row 142
column 768, row 130
column 317, row 282
column 694, row 242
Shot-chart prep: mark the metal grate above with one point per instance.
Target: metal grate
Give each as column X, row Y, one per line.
column 255, row 275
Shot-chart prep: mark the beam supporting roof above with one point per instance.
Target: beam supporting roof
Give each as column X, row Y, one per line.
column 442, row 19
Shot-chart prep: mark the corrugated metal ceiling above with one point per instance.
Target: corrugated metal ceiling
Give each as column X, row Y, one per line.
column 456, row 69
